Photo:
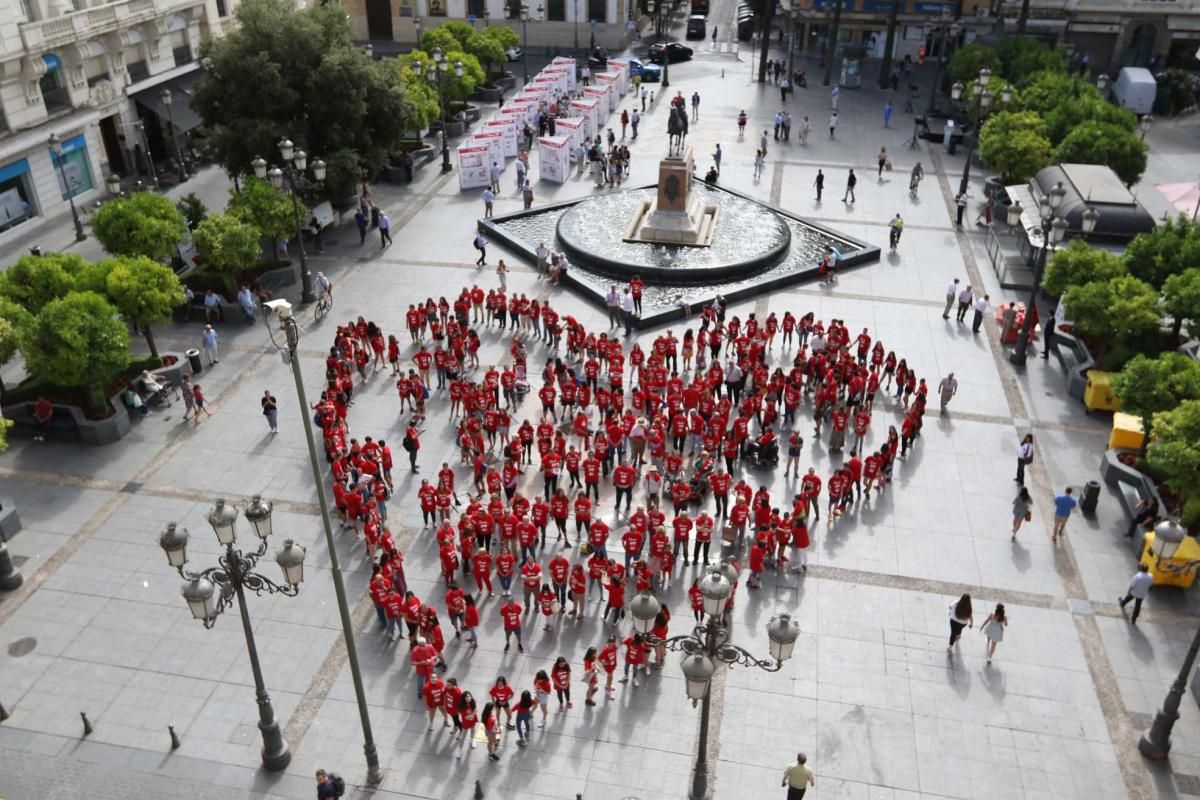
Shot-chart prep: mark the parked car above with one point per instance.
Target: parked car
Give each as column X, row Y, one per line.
column 651, row 73
column 674, row 50
column 697, row 27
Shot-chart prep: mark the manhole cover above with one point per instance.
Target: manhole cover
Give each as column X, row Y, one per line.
column 22, row 647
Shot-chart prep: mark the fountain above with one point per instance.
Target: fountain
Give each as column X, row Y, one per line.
column 688, row 240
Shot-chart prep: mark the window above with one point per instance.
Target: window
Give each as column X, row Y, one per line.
column 16, row 194
column 54, row 94
column 598, row 11
column 71, row 168
column 477, row 8
column 556, row 10
column 512, row 9
column 181, row 48
column 222, row 9
column 437, row 8
column 406, row 9
column 27, row 10
column 138, row 71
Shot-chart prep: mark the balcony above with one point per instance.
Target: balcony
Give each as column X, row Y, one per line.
column 47, row 34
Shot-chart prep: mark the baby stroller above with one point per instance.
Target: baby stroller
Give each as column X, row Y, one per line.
column 764, row 456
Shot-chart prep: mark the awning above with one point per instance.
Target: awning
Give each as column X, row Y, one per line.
column 52, row 62
column 181, row 114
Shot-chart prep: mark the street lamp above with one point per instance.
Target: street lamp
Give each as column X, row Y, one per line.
column 417, row 27
column 1054, row 229
column 943, row 27
column 1102, row 82
column 436, row 75
column 661, row 10
column 167, row 102
column 209, row 593
column 576, row 15
column 983, row 101
column 287, row 324
column 57, row 151
column 1144, row 125
column 525, row 36
column 709, row 644
column 295, row 162
column 113, row 184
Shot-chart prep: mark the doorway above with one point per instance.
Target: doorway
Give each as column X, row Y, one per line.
column 111, row 139
column 379, row 20
column 1141, row 46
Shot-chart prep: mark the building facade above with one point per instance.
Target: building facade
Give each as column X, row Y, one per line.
column 92, row 74
column 556, row 24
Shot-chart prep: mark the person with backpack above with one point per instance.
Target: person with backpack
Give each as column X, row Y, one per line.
column 329, row 785
column 412, row 443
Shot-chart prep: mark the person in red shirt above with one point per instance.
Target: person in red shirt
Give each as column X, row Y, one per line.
column 560, row 674
column 510, row 612
column 591, row 675
column 632, row 540
column 758, row 554
column 616, row 600
column 577, row 583
column 583, row 514
column 456, row 607
column 423, row 657
column 810, row 488
column 624, row 477
column 608, row 660
column 502, row 695
column 546, row 600
column 471, row 620
column 635, row 657
column 505, row 568
column 434, row 692
column 481, row 570
column 696, row 598
column 531, row 579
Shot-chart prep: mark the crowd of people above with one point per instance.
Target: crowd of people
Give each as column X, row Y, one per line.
column 677, row 430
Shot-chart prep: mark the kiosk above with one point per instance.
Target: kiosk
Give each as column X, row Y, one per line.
column 554, row 158
column 473, row 164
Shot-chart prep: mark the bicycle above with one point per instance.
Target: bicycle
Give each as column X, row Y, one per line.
column 324, row 306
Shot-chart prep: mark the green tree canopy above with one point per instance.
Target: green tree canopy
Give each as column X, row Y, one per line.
column 1070, row 112
column 1148, row 386
column 1093, row 142
column 142, row 224
column 193, row 210
column 1079, row 263
column 1181, row 299
column 1118, row 308
column 1025, row 55
column 291, row 72
column 1042, row 91
column 33, row 281
column 14, row 320
column 1175, row 453
column 144, row 291
column 1172, row 247
column 969, row 59
column 420, row 96
column 264, row 208
column 227, row 244
column 77, row 340
column 1010, row 142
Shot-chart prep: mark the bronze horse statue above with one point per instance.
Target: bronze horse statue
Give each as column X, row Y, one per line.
column 677, row 129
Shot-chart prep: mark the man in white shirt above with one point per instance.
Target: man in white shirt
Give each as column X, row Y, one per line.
column 981, row 307
column 627, row 308
column 1139, row 589
column 947, row 389
column 965, row 298
column 613, row 301
column 798, row 777
column 951, row 296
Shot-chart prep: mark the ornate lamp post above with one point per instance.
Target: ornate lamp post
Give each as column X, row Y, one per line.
column 209, row 593
column 1102, row 82
column 113, row 184
column 707, row 645
column 525, row 36
column 1054, row 228
column 291, row 332
column 661, row 10
column 943, row 27
column 1144, row 125
column 983, row 102
column 437, row 76
column 167, row 101
column 295, row 162
column 56, row 149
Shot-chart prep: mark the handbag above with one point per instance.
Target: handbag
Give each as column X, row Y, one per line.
column 1028, row 516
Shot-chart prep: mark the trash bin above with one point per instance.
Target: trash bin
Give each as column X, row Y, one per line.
column 1091, row 496
column 193, row 357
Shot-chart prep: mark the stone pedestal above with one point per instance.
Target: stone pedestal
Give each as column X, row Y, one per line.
column 677, row 215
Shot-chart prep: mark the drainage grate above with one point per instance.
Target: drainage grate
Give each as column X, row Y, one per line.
column 1187, row 784
column 22, row 647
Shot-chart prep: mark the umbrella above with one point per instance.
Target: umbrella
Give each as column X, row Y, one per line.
column 1184, row 196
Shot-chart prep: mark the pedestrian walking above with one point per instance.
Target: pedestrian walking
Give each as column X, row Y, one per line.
column 851, row 182
column 960, row 202
column 695, row 106
column 328, row 786
column 270, row 410
column 208, row 341
column 522, row 168
column 714, row 35
column 1024, row 457
column 819, row 182
column 783, row 90
column 993, row 628
column 43, row 411
column 1064, row 504
column 634, row 119
column 965, row 298
column 951, row 296
column 887, row 114
column 717, row 158
column 502, row 274
column 762, row 144
column 797, row 777
column 494, row 176
column 947, row 388
column 759, row 161
column 527, row 194
column 189, row 397
column 982, row 306
column 1022, row 509
column 805, row 127
column 198, row 398
column 360, row 220
column 385, row 230
column 1145, row 514
column 985, row 214
column 645, row 94
column 882, row 158
column 833, row 97
column 1139, row 589
column 480, row 244
column 960, row 617
column 833, row 120
column 489, row 198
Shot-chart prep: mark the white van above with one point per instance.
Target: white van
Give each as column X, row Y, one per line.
column 1135, row 89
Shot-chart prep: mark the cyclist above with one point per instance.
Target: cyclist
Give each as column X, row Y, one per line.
column 914, row 179
column 895, row 228
column 741, row 125
column 324, row 287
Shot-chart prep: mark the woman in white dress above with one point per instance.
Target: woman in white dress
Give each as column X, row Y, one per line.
column 993, row 629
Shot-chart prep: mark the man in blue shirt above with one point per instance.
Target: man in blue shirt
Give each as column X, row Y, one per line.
column 1064, row 504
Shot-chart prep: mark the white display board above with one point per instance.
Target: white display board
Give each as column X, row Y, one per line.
column 612, row 80
column 548, row 84
column 621, row 67
column 589, row 110
column 508, row 134
column 606, row 95
column 554, row 158
column 495, row 144
column 473, row 164
column 571, row 127
column 525, row 106
column 570, row 65
column 562, row 76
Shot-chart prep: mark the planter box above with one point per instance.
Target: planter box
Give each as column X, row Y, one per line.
column 455, row 129
column 174, row 374
column 487, row 94
column 1075, row 359
column 1132, row 486
column 69, row 422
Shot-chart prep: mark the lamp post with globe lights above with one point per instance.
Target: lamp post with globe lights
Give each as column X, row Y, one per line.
column 168, row 101
column 707, row 646
column 1053, row 230
column 436, row 75
column 57, row 150
column 983, row 103
column 295, row 162
column 210, row 592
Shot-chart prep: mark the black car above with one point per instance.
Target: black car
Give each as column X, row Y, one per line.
column 675, row 52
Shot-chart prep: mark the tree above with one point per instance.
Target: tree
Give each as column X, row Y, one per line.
column 142, row 224
column 1176, row 91
column 420, row 97
column 144, row 291
column 1024, row 55
column 1181, row 299
column 1070, row 112
column 1147, row 386
column 33, row 281
column 1044, row 90
column 1172, row 247
column 504, row 37
column 5, row 424
column 297, row 72
column 1175, row 453
column 78, row 340
column 1079, row 263
column 1093, row 142
column 228, row 245
column 13, row 321
column 193, row 210
column 1118, row 308
column 969, row 59
column 1010, row 143
column 264, row 208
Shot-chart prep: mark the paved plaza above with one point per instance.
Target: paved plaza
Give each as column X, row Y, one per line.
column 870, row 694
